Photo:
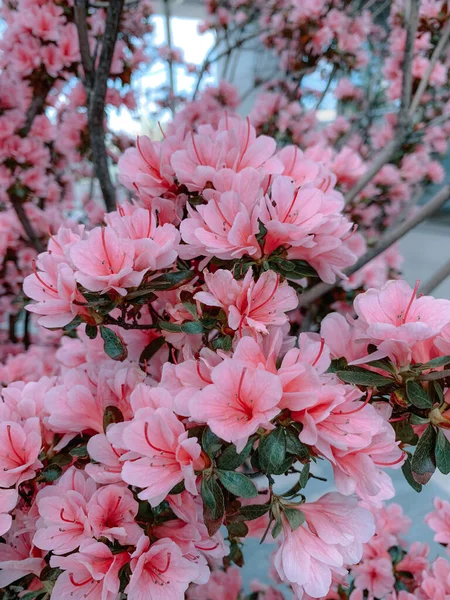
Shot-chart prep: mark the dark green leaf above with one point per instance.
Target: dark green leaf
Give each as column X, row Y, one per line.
column 51, row 473
column 383, row 364
column 237, row 529
column 417, row 395
column 440, row 361
column 405, row 433
column 170, row 281
column 168, row 326
column 236, row 555
column 112, row 415
column 272, row 451
column 113, row 345
column 230, row 459
column 74, row 323
column 91, row 331
column 50, row 573
column 177, row 489
column 224, row 342
column 253, row 511
column 423, row 463
column 212, row 497
column 211, row 444
column 442, row 451
column 407, row 472
column 62, row 460
column 304, row 477
column 294, row 446
column 277, row 528
column 295, row 517
column 237, row 483
column 79, row 451
column 189, row 303
column 151, row 349
column 359, row 376
column 192, row 327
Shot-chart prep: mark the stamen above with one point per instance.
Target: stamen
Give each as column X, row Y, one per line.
column 291, row 206
column 246, row 144
column 390, row 464
column 81, row 583
column 221, row 213
column 151, row 167
column 360, row 407
column 322, row 346
column 413, row 297
column 49, row 287
column 272, row 294
column 63, row 518
column 161, row 130
column 200, row 374
column 105, row 250
column 294, row 160
column 353, row 230
column 151, row 445
column 195, row 149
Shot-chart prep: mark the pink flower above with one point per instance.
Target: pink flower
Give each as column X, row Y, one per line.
column 159, row 571
column 238, row 402
column 20, row 446
column 111, row 512
column 375, row 575
column 107, row 467
column 92, row 572
column 104, row 262
column 331, row 537
column 439, row 521
column 222, row 585
column 162, row 455
column 249, row 303
column 8, row 501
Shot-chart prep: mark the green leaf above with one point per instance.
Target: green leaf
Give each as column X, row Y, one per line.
column 384, row 364
column 405, row 433
column 177, row 489
column 295, row 517
column 237, row 529
column 359, row 376
column 440, row 361
column 423, row 463
column 151, row 349
column 212, row 497
column 304, row 477
column 49, row 573
column 294, row 446
column 62, row 460
column 79, row 451
column 74, row 323
column 417, row 395
column 113, row 345
column 230, row 459
column 192, row 327
column 253, row 511
column 168, row 326
column 237, row 483
column 442, row 453
column 112, row 415
column 407, row 472
column 293, row 269
column 277, row 528
column 170, row 281
column 91, row 331
column 211, row 444
column 187, row 298
column 51, row 473
column 224, row 342
column 272, row 451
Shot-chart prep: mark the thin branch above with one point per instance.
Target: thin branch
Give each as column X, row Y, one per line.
column 96, row 103
column 402, row 127
column 385, row 242
column 80, row 13
column 436, row 279
column 327, row 87
column 167, row 17
column 444, row 37
column 28, row 228
column 37, row 105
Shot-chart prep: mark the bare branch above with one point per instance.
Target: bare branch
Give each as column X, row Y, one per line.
column 96, row 103
column 402, row 128
column 327, row 87
column 28, row 228
column 436, row 279
column 385, row 242
column 444, row 37
column 80, row 12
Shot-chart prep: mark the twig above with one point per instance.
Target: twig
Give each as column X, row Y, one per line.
column 327, row 87
column 386, row 242
column 37, row 105
column 437, row 278
column 167, row 17
column 80, row 11
column 23, row 218
column 96, row 102
column 402, row 127
column 444, row 37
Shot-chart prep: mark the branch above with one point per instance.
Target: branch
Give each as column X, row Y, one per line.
column 37, row 105
column 96, row 100
column 445, row 35
column 23, row 218
column 327, row 87
column 80, row 12
column 436, row 279
column 385, row 242
column 167, row 17
column 402, row 127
